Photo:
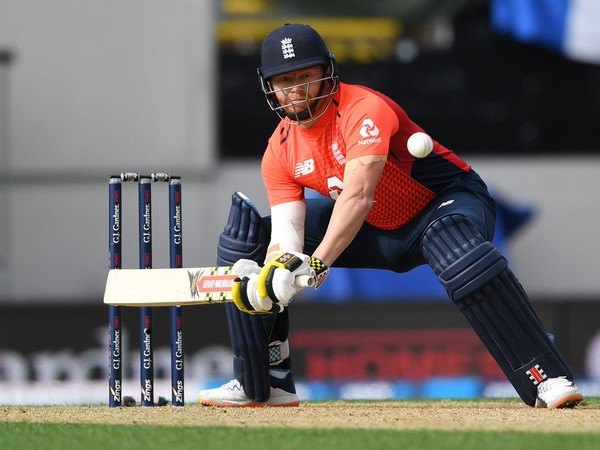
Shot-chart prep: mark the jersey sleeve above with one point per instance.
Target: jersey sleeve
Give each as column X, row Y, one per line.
column 368, row 127
column 279, row 182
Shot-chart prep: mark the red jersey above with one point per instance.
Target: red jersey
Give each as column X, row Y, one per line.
column 358, row 122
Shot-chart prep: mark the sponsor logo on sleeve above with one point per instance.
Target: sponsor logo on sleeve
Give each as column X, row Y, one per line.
column 369, row 132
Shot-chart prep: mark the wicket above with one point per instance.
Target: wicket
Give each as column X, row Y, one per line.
column 145, row 262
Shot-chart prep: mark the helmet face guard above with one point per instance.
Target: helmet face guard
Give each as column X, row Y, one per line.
column 305, row 109
column 287, row 49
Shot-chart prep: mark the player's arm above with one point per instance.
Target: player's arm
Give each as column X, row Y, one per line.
column 352, row 206
column 269, row 288
column 367, row 128
column 286, row 271
column 287, row 228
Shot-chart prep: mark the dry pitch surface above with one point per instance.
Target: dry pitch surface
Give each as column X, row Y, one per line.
column 442, row 415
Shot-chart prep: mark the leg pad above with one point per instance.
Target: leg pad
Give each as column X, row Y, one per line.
column 254, row 338
column 477, row 279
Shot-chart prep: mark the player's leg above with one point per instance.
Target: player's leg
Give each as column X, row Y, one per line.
column 259, row 342
column 477, row 279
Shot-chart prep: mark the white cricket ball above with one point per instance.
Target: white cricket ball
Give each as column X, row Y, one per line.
column 419, row 145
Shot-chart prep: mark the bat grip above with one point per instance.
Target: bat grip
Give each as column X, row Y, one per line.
column 302, row 281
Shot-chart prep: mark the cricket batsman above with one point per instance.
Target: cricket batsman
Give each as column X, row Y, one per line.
column 390, row 201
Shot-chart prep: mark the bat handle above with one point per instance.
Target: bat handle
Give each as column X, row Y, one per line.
column 302, row 281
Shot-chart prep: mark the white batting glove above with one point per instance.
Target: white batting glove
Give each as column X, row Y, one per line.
column 277, row 279
column 287, row 274
column 244, row 291
column 245, row 267
column 252, row 301
column 270, row 289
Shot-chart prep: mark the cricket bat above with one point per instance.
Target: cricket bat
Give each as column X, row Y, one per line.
column 174, row 287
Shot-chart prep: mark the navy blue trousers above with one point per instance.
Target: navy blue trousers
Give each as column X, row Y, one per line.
column 400, row 250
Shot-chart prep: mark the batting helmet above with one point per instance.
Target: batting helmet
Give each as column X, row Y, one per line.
column 293, row 47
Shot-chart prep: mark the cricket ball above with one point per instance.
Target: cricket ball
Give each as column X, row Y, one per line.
column 419, row 144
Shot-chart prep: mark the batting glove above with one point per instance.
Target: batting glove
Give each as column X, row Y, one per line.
column 283, row 277
column 270, row 289
column 244, row 292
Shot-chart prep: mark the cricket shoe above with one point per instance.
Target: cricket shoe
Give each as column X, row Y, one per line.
column 557, row 393
column 231, row 394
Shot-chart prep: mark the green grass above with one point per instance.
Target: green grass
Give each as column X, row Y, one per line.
column 28, row 434
column 113, row 437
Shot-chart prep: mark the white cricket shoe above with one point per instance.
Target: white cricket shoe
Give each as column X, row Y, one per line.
column 557, row 393
column 232, row 394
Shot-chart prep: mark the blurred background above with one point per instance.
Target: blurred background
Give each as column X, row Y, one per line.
column 98, row 87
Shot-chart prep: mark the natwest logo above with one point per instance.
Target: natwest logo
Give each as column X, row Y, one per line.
column 369, row 132
column 368, row 129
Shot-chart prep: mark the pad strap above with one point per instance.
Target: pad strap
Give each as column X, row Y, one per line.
column 278, row 351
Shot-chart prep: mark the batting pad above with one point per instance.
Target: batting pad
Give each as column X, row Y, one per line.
column 245, row 237
column 477, row 279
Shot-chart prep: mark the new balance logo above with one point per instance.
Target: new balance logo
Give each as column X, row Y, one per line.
column 287, row 48
column 536, row 374
column 304, row 168
column 446, row 203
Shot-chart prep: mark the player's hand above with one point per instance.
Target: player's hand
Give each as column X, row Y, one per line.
column 276, row 283
column 284, row 276
column 245, row 267
column 246, row 298
column 287, row 274
column 244, row 291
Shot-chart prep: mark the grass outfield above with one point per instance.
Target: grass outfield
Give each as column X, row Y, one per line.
column 459, row 425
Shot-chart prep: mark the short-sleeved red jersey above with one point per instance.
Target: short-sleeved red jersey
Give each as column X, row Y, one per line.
column 358, row 122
